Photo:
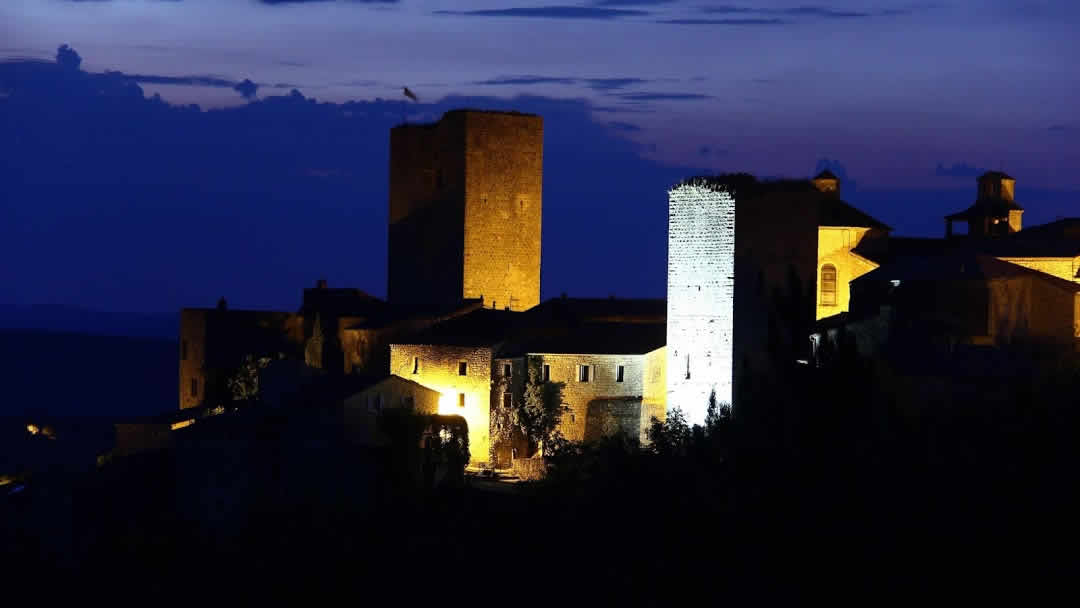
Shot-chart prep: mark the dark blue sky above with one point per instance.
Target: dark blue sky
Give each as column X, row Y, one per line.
column 117, row 200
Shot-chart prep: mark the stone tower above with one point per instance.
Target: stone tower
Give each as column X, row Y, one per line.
column 995, row 212
column 700, row 296
column 465, row 209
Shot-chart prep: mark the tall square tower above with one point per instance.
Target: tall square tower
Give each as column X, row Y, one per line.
column 465, row 210
column 700, row 296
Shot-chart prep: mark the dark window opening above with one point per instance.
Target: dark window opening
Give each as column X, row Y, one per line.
column 506, row 370
column 583, row 373
column 183, row 350
column 194, row 387
column 508, row 400
column 547, row 373
column 461, row 399
column 463, row 368
column 828, row 285
column 619, row 374
column 416, row 365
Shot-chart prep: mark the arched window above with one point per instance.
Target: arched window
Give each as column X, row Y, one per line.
column 828, row 285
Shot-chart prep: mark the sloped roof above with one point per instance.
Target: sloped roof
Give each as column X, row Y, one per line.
column 959, row 267
column 835, row 212
column 594, row 339
column 986, row 207
column 481, row 327
column 826, row 174
column 599, row 309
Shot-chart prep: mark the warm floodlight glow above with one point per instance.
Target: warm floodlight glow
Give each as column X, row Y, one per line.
column 33, row 429
column 701, row 297
column 181, row 424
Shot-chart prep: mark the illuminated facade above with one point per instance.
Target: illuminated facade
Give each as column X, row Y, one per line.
column 465, row 210
column 701, row 297
column 462, row 377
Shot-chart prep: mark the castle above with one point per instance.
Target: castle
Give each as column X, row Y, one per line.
column 758, row 272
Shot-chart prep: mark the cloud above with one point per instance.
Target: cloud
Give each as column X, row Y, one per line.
column 511, row 80
column 662, row 96
column 750, row 21
column 201, row 81
column 551, row 12
column 623, row 126
column 608, row 84
column 958, row 170
column 1062, row 128
column 631, row 2
column 818, row 11
column 822, row 12
column 275, row 2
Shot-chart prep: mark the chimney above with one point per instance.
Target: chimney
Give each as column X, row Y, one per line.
column 221, row 304
column 320, row 284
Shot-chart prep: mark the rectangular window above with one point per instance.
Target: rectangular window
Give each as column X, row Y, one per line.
column 194, row 387
column 461, row 400
column 508, row 400
column 416, row 365
column 828, row 285
column 583, row 373
column 183, row 350
column 619, row 374
column 463, row 368
column 547, row 373
column 506, row 370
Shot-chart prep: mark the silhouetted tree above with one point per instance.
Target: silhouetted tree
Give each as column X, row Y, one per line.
column 67, row 58
column 246, row 88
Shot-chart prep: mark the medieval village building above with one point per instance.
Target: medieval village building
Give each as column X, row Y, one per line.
column 758, row 272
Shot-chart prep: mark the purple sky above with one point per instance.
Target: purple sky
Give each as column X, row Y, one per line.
column 116, row 201
column 768, row 86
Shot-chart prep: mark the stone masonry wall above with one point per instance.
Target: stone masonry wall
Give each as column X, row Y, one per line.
column 834, row 247
column 601, row 386
column 427, row 171
column 503, row 179
column 1062, row 268
column 438, row 370
column 700, row 298
column 192, row 357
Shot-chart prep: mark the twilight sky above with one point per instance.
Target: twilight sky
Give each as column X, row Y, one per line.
column 889, row 90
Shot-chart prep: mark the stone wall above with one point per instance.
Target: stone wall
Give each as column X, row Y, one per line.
column 437, row 369
column 1062, row 268
column 654, row 397
column 503, row 204
column 427, row 181
column 213, row 343
column 834, row 247
column 465, row 210
column 701, row 297
column 611, row 416
column 192, row 357
column 602, row 385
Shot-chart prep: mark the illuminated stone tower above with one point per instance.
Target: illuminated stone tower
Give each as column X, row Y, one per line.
column 700, row 296
column 465, row 208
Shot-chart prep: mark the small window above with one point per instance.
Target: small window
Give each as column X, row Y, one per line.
column 583, row 373
column 416, row 365
column 547, row 373
column 507, row 368
column 183, row 350
column 508, row 400
column 463, row 368
column 828, row 285
column 461, row 399
column 194, row 387
column 619, row 373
